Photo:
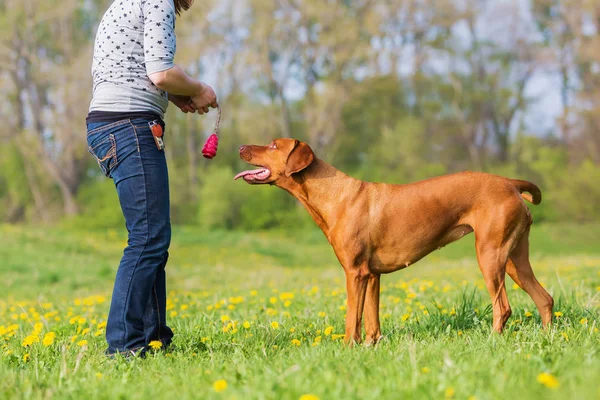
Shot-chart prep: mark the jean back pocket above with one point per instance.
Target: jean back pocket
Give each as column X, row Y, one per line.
column 103, row 147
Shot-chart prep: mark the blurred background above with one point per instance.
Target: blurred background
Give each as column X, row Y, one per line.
column 385, row 90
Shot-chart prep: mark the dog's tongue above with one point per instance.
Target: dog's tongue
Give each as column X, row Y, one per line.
column 261, row 173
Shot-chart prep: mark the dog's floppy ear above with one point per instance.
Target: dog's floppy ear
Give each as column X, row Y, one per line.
column 299, row 158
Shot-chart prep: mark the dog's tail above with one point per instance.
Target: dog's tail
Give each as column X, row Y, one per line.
column 535, row 194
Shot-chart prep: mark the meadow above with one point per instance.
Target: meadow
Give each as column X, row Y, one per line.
column 260, row 316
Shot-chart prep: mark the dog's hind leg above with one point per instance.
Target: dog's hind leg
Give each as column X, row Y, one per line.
column 357, row 279
column 372, row 326
column 519, row 269
column 492, row 257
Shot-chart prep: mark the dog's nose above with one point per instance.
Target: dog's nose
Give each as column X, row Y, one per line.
column 243, row 148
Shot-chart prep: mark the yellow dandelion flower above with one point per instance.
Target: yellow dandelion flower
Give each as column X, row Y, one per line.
column 425, row 370
column 528, row 314
column 548, row 380
column 246, row 325
column 48, row 340
column 12, row 328
column 98, row 333
column 287, row 303
column 449, row 393
column 296, row 342
column 275, row 325
column 253, row 293
column 85, row 331
column 328, row 330
column 337, row 336
column 309, row 397
column 292, row 330
column 173, row 314
column 564, row 334
column 224, row 318
column 220, row 385
column 322, row 314
column 155, row 344
column 271, row 311
column 583, row 321
column 29, row 340
column 98, row 375
column 405, row 317
column 82, row 343
column 558, row 314
column 286, row 296
column 38, row 327
column 26, row 357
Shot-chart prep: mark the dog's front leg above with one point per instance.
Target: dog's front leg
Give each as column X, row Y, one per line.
column 357, row 279
column 372, row 327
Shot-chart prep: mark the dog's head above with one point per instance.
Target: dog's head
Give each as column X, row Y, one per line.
column 277, row 161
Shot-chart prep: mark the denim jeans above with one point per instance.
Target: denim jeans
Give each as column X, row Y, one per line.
column 126, row 152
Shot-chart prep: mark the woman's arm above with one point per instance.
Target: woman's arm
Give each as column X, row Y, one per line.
column 175, row 81
column 159, row 51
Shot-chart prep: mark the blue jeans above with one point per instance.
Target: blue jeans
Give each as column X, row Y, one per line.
column 126, row 152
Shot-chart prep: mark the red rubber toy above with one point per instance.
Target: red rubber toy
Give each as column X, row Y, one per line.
column 210, row 147
column 212, row 143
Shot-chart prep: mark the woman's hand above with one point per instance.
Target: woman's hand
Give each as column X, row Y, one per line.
column 205, row 98
column 184, row 103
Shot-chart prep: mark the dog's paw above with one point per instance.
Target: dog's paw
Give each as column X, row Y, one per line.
column 372, row 342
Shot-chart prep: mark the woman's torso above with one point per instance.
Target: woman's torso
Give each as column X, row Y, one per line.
column 135, row 38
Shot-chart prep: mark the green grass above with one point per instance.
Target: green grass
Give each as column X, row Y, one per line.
column 435, row 318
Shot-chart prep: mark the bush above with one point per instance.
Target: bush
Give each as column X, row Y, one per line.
column 231, row 205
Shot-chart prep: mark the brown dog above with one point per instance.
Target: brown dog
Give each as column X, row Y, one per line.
column 377, row 228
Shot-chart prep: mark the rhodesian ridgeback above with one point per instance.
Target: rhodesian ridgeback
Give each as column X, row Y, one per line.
column 378, row 228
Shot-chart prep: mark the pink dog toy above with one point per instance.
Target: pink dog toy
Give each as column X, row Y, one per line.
column 210, row 147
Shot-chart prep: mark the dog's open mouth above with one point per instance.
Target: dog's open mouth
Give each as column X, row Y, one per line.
column 254, row 175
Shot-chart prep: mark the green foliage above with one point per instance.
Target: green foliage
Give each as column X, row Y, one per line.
column 227, row 204
column 100, row 206
column 14, row 193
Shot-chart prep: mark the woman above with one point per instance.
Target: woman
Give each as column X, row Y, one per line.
column 134, row 80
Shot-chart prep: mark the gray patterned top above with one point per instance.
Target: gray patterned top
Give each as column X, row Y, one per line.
column 135, row 39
